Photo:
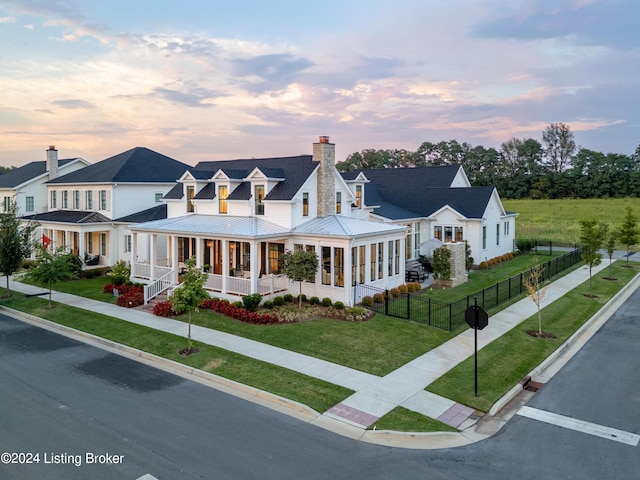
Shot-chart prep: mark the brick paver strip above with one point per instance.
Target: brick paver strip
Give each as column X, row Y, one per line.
column 353, row 414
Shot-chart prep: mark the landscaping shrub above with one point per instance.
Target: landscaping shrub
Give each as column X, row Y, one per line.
column 268, row 304
column 231, row 310
column 288, row 298
column 403, row 289
column 326, row 302
column 378, row 298
column 278, row 301
column 314, row 300
column 130, row 300
column 483, row 265
column 339, row 305
column 119, row 273
column 302, row 297
column 251, row 302
column 163, row 309
column 356, row 314
column 394, row 292
column 27, row 264
column 525, row 244
column 367, row 301
column 237, row 304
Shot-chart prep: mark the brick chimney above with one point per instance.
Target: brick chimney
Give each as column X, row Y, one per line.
column 52, row 162
column 325, row 153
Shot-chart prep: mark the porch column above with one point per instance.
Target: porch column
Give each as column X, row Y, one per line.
column 173, row 252
column 81, row 251
column 152, row 257
column 199, row 252
column 225, row 264
column 253, row 268
column 133, row 255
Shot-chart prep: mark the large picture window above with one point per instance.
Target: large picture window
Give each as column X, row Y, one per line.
column 326, row 265
column 338, row 267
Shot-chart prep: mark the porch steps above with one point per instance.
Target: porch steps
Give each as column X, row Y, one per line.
column 157, row 299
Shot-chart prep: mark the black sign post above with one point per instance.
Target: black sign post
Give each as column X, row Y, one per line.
column 477, row 318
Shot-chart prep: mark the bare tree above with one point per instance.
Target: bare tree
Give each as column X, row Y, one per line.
column 559, row 146
column 534, row 282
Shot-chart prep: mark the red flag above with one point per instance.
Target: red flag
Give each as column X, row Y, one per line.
column 45, row 241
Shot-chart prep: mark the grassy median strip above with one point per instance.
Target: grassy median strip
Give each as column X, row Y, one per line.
column 401, row 419
column 315, row 393
column 506, row 360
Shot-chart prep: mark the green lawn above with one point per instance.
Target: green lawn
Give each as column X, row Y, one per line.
column 505, row 361
column 559, row 220
column 315, row 393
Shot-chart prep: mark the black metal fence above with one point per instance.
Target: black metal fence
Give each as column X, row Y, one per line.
column 449, row 316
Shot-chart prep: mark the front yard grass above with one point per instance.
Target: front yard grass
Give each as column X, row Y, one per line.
column 315, row 393
column 502, row 363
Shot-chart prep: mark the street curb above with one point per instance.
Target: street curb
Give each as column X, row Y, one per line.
column 580, row 337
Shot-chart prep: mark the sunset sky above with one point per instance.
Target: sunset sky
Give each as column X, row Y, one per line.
column 209, row 80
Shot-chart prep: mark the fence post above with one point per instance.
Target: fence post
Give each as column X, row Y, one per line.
column 451, row 317
column 429, row 312
column 408, row 306
column 497, row 293
column 386, row 302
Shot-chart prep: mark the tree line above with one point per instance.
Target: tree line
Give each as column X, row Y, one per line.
column 553, row 167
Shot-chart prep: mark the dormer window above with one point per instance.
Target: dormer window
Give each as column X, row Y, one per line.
column 338, row 203
column 223, row 193
column 259, row 197
column 359, row 196
column 305, row 204
column 191, row 192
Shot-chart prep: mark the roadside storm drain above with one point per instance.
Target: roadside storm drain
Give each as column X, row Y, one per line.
column 533, row 386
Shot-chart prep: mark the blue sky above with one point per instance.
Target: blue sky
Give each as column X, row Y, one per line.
column 208, row 79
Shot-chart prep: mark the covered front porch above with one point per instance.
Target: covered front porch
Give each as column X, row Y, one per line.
column 236, row 265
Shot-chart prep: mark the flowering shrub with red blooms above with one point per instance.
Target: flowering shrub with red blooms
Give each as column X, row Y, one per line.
column 131, row 300
column 123, row 289
column 239, row 313
column 163, row 309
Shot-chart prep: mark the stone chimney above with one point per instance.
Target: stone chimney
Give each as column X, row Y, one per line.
column 52, row 162
column 325, row 154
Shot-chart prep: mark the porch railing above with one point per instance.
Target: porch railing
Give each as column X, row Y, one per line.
column 272, row 284
column 156, row 288
column 143, row 270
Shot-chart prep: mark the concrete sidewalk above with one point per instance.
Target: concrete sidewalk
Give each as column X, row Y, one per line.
column 374, row 396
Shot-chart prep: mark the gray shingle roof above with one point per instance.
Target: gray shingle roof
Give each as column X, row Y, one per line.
column 294, row 170
column 68, row 216
column 154, row 213
column 138, row 165
column 206, row 193
column 23, row 174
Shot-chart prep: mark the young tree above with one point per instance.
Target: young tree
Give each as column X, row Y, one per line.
column 592, row 236
column 50, row 268
column 15, row 241
column 190, row 295
column 628, row 233
column 610, row 245
column 533, row 281
column 300, row 266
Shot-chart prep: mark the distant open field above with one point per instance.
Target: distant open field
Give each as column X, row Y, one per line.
column 558, row 221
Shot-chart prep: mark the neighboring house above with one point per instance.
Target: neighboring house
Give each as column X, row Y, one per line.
column 437, row 204
column 238, row 217
column 26, row 185
column 89, row 210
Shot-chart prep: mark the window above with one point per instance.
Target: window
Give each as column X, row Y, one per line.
column 127, row 243
column 326, row 265
column 338, row 267
column 259, row 199
column 298, row 247
column 29, row 204
column 311, row 249
column 416, row 243
column 397, row 271
column 437, row 232
column 372, row 261
column 484, row 237
column 390, row 259
column 54, row 199
column 223, row 193
column 90, row 243
column 6, row 204
column 408, row 248
column 305, row 204
column 275, row 250
column 448, row 234
column 497, row 234
column 191, row 192
column 159, row 197
column 506, row 229
column 458, row 234
column 76, row 199
column 65, row 199
column 89, row 199
column 361, row 261
column 103, row 244
column 338, row 203
column 103, row 199
column 380, row 255
column 359, row 196
column 354, row 265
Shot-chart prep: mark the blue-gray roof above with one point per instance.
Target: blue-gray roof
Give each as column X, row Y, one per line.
column 154, row 213
column 138, row 165
column 295, row 171
column 23, row 174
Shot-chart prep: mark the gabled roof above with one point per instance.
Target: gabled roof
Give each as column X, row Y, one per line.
column 339, row 226
column 176, row 192
column 27, row 172
column 425, row 177
column 206, row 193
column 68, row 216
column 138, row 165
column 154, row 213
column 294, row 170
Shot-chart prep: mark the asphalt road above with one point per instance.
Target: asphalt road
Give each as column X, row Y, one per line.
column 70, row 403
